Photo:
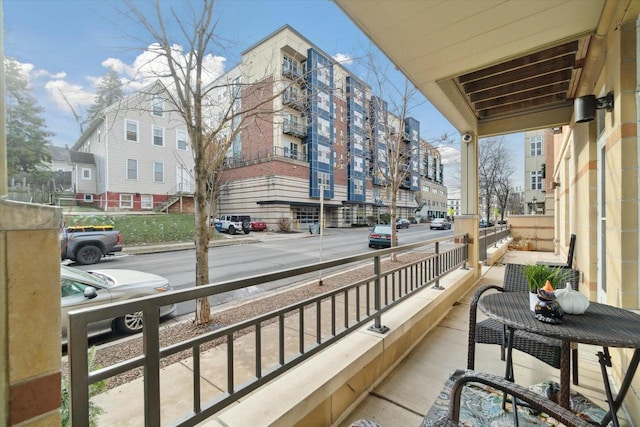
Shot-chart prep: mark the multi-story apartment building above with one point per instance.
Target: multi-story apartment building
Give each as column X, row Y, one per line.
column 534, row 172
column 142, row 154
column 326, row 143
column 323, row 138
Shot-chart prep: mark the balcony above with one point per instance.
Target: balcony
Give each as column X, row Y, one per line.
column 435, row 319
column 293, row 128
column 291, row 70
column 294, row 100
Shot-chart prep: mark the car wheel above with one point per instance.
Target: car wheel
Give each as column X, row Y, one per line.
column 232, row 230
column 88, row 254
column 129, row 323
column 246, row 227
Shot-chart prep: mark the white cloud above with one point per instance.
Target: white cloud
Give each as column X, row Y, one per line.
column 150, row 66
column 449, row 154
column 343, row 58
column 63, row 93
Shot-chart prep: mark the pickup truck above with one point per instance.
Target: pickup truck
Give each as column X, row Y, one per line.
column 87, row 244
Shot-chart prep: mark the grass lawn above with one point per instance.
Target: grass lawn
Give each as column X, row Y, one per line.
column 139, row 229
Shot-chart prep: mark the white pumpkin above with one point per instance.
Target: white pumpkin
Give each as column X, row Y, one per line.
column 571, row 301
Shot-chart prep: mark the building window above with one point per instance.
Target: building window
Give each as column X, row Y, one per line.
column 132, row 169
column 357, row 186
column 324, row 179
column 157, row 106
column 181, row 140
column 536, row 180
column 126, row 201
column 158, row 172
column 324, row 154
column 291, row 150
column 88, row 198
column 131, row 131
column 146, row 201
column 535, row 144
column 158, row 136
column 86, row 173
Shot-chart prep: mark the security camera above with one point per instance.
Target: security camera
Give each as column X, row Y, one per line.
column 467, row 137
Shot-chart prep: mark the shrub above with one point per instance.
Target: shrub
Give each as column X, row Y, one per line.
column 284, row 224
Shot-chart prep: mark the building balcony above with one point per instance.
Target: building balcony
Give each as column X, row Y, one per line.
column 293, row 128
column 292, row 71
column 294, row 100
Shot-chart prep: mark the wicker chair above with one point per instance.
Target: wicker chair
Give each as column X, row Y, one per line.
column 533, row 400
column 490, row 331
column 569, row 263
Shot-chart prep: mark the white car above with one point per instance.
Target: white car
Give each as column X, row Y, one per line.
column 81, row 289
column 440, row 224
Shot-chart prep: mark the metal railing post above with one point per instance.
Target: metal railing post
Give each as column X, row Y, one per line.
column 437, row 266
column 377, row 299
column 466, row 252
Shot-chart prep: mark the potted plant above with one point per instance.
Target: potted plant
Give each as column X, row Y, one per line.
column 537, row 276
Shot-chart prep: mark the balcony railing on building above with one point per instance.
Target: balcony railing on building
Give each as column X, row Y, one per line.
column 291, row 98
column 266, row 155
column 294, row 128
column 291, row 70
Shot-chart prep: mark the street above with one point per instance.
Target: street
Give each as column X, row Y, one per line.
column 262, row 253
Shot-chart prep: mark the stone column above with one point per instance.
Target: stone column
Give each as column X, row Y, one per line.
column 30, row 313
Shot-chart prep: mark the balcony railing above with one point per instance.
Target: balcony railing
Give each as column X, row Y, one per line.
column 294, row 100
column 296, row 129
column 371, row 297
column 265, row 155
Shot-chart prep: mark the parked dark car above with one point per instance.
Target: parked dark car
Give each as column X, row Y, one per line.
column 380, row 236
column 402, row 223
column 486, row 223
column 502, row 221
column 440, row 224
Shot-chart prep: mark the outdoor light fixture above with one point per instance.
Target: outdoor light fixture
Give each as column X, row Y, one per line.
column 585, row 107
column 555, row 185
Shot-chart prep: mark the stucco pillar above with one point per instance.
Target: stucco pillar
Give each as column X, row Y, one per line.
column 467, row 222
column 30, row 313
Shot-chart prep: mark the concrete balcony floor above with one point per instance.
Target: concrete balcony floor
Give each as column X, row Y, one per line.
column 405, row 396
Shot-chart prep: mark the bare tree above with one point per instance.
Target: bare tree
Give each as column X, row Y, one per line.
column 390, row 111
column 494, row 173
column 213, row 122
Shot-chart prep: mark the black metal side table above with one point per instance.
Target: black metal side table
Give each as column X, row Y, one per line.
column 602, row 325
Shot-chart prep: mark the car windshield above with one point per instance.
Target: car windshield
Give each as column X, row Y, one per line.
column 90, row 279
column 382, row 229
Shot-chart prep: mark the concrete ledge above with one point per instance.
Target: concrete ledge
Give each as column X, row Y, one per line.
column 495, row 254
column 322, row 390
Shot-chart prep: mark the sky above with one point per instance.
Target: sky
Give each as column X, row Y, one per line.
column 66, row 46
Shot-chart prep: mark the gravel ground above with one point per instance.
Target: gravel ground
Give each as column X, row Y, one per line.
column 177, row 332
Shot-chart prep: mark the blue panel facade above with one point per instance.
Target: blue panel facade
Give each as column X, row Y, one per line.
column 379, row 148
column 412, row 131
column 356, row 134
column 320, row 131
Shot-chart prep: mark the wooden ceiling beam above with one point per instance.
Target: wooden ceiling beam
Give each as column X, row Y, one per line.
column 518, row 98
column 523, row 85
column 535, row 70
column 558, row 51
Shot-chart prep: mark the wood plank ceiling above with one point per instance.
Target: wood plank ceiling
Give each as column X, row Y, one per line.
column 534, row 82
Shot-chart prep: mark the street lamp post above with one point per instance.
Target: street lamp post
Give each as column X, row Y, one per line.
column 321, row 229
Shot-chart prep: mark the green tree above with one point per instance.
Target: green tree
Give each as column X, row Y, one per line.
column 109, row 91
column 27, row 134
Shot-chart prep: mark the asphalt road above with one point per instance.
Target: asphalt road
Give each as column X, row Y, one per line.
column 258, row 253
